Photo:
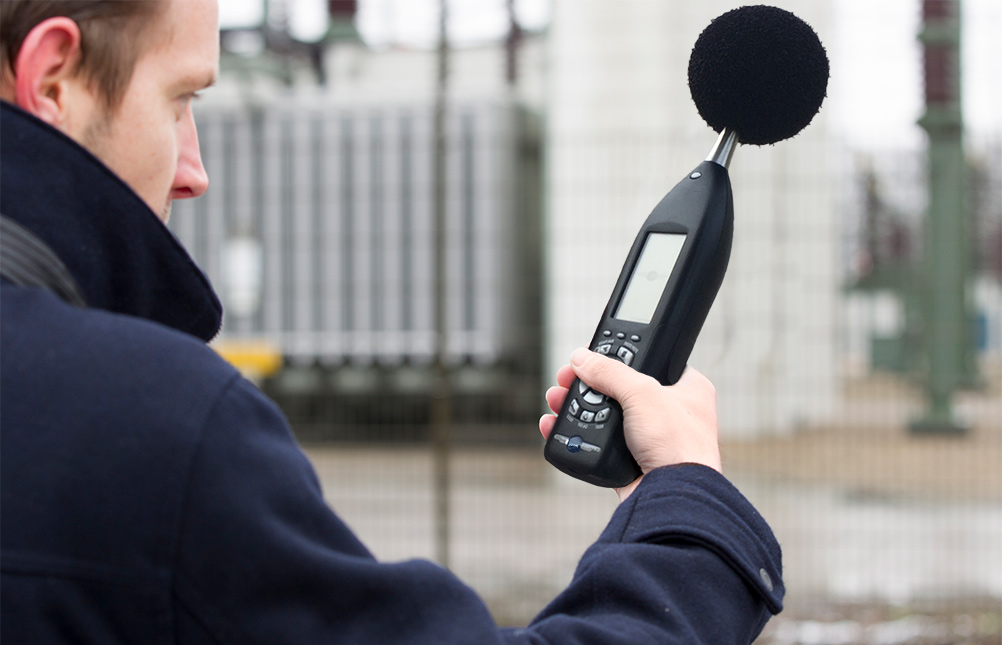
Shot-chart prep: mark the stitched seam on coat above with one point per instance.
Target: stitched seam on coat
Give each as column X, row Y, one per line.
column 47, row 566
column 183, row 596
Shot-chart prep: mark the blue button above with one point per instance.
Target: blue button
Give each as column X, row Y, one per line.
column 574, row 443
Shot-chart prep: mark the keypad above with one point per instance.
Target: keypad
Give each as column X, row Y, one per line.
column 589, row 406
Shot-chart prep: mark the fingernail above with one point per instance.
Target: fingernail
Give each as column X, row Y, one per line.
column 579, row 356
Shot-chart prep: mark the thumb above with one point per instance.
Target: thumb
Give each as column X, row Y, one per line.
column 609, row 376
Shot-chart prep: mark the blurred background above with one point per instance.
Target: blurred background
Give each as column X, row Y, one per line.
column 418, row 208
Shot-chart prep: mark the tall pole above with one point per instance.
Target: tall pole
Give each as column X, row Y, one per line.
column 511, row 43
column 946, row 241
column 441, row 411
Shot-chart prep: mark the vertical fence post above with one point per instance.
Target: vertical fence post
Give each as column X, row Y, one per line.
column 441, row 412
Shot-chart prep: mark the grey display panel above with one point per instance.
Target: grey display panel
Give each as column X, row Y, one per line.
column 650, row 276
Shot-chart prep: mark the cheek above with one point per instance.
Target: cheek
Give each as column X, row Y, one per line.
column 149, row 158
column 159, row 146
column 168, row 154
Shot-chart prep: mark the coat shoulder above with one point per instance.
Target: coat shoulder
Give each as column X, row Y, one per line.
column 108, row 365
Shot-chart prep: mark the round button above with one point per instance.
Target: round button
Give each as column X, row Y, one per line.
column 635, row 338
column 574, row 443
column 695, row 175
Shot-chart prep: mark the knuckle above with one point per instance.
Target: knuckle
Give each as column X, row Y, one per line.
column 643, row 389
column 596, row 368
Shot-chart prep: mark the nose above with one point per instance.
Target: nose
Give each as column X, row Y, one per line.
column 190, row 179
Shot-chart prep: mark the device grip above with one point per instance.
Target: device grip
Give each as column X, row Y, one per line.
column 588, row 442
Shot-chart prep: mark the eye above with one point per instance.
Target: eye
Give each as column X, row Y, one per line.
column 183, row 103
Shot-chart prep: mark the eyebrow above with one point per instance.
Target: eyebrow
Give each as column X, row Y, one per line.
column 198, row 81
column 207, row 80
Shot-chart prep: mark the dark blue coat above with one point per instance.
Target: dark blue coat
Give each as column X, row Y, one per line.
column 152, row 495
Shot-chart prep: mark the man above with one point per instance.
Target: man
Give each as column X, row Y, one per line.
column 150, row 494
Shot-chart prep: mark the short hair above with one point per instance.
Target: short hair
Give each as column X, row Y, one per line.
column 110, row 33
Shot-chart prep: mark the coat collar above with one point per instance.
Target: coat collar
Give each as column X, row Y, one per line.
column 122, row 256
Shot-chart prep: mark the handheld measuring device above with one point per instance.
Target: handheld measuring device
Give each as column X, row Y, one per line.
column 758, row 74
column 661, row 299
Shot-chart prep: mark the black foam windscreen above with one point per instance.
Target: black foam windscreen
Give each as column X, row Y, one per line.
column 760, row 71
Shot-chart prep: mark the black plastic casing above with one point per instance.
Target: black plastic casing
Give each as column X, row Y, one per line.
column 700, row 206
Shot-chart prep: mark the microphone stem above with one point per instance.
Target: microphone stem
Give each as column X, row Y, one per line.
column 723, row 149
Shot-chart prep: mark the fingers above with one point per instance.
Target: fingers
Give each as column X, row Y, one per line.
column 555, row 400
column 555, row 397
column 663, row 425
column 604, row 374
column 565, row 376
column 609, row 376
column 546, row 423
column 622, row 383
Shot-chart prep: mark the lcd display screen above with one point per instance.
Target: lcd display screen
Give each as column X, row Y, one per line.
column 650, row 277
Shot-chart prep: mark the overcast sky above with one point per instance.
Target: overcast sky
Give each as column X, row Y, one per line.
column 875, row 41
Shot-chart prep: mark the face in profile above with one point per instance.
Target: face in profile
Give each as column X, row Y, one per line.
column 149, row 139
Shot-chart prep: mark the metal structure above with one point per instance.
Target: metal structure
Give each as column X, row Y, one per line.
column 338, row 203
column 319, row 235
column 947, row 319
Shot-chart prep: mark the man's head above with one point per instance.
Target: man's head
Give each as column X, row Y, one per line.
column 117, row 76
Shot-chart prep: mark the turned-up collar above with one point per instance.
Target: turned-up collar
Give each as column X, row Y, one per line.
column 122, row 256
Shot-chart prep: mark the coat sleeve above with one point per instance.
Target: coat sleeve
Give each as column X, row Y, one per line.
column 686, row 559
column 261, row 558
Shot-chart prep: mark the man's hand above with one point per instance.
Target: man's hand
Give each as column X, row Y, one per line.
column 664, row 425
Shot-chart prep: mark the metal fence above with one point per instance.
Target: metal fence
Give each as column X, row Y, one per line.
column 869, row 514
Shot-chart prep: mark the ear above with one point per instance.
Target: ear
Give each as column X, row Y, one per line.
column 46, row 64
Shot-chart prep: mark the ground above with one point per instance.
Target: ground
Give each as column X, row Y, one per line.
column 888, row 537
